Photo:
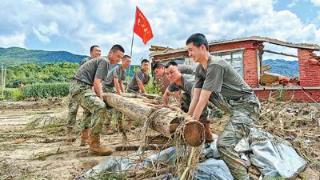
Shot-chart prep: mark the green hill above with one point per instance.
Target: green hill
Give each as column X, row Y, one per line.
column 16, row 55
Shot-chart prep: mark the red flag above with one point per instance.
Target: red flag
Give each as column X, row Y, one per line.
column 142, row 27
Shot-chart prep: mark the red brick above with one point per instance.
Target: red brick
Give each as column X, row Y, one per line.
column 298, row 95
column 309, row 73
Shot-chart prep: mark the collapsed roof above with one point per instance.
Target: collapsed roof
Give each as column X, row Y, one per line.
column 159, row 50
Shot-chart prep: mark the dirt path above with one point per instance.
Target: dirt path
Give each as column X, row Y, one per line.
column 41, row 153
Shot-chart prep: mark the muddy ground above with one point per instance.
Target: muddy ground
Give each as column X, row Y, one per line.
column 39, row 151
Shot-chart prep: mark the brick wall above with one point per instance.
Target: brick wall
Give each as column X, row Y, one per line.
column 250, row 67
column 309, row 73
column 297, row 95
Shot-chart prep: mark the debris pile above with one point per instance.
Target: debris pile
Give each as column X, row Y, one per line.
column 166, row 156
column 293, row 123
column 298, row 123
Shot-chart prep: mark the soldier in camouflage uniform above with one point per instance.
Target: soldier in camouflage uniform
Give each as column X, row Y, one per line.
column 91, row 75
column 114, row 83
column 185, row 83
column 140, row 78
column 160, row 78
column 159, row 74
column 95, row 52
column 117, row 76
column 214, row 75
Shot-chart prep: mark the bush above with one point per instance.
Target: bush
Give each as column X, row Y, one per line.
column 152, row 88
column 40, row 73
column 14, row 94
column 46, row 90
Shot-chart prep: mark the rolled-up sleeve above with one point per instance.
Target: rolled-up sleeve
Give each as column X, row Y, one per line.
column 101, row 70
column 214, row 78
column 138, row 76
column 198, row 79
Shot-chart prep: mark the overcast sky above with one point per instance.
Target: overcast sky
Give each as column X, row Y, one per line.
column 75, row 25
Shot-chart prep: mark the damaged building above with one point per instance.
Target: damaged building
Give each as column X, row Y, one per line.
column 246, row 55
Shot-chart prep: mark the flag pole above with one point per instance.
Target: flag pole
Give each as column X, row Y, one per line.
column 132, row 39
column 132, row 42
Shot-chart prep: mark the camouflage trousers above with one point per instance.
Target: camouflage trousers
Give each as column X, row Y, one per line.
column 244, row 113
column 72, row 113
column 111, row 112
column 84, row 96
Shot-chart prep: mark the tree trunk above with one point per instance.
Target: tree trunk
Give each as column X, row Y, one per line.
column 161, row 119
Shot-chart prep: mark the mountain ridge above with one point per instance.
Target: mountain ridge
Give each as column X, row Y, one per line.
column 18, row 55
column 283, row 67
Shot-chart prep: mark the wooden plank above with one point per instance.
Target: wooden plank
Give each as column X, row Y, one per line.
column 279, row 53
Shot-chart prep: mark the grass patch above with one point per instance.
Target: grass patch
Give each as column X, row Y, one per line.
column 13, row 94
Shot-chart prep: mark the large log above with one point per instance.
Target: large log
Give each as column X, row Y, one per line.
column 161, row 119
column 131, row 107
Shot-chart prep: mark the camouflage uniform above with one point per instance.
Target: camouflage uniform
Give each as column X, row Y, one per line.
column 84, row 60
column 244, row 112
column 187, row 87
column 163, row 81
column 138, row 76
column 87, row 98
column 81, row 92
column 115, row 72
column 74, row 106
column 108, row 86
column 231, row 94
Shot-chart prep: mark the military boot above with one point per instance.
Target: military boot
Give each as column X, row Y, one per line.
column 97, row 148
column 84, row 137
column 70, row 136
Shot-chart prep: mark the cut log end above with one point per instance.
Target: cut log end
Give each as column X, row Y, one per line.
column 193, row 133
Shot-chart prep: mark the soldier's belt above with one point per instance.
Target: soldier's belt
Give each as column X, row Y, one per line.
column 81, row 82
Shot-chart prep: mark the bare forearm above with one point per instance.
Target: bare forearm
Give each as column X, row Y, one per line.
column 192, row 106
column 165, row 97
column 203, row 101
column 121, row 86
column 141, row 87
column 198, row 110
column 97, row 87
column 116, row 85
column 194, row 101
